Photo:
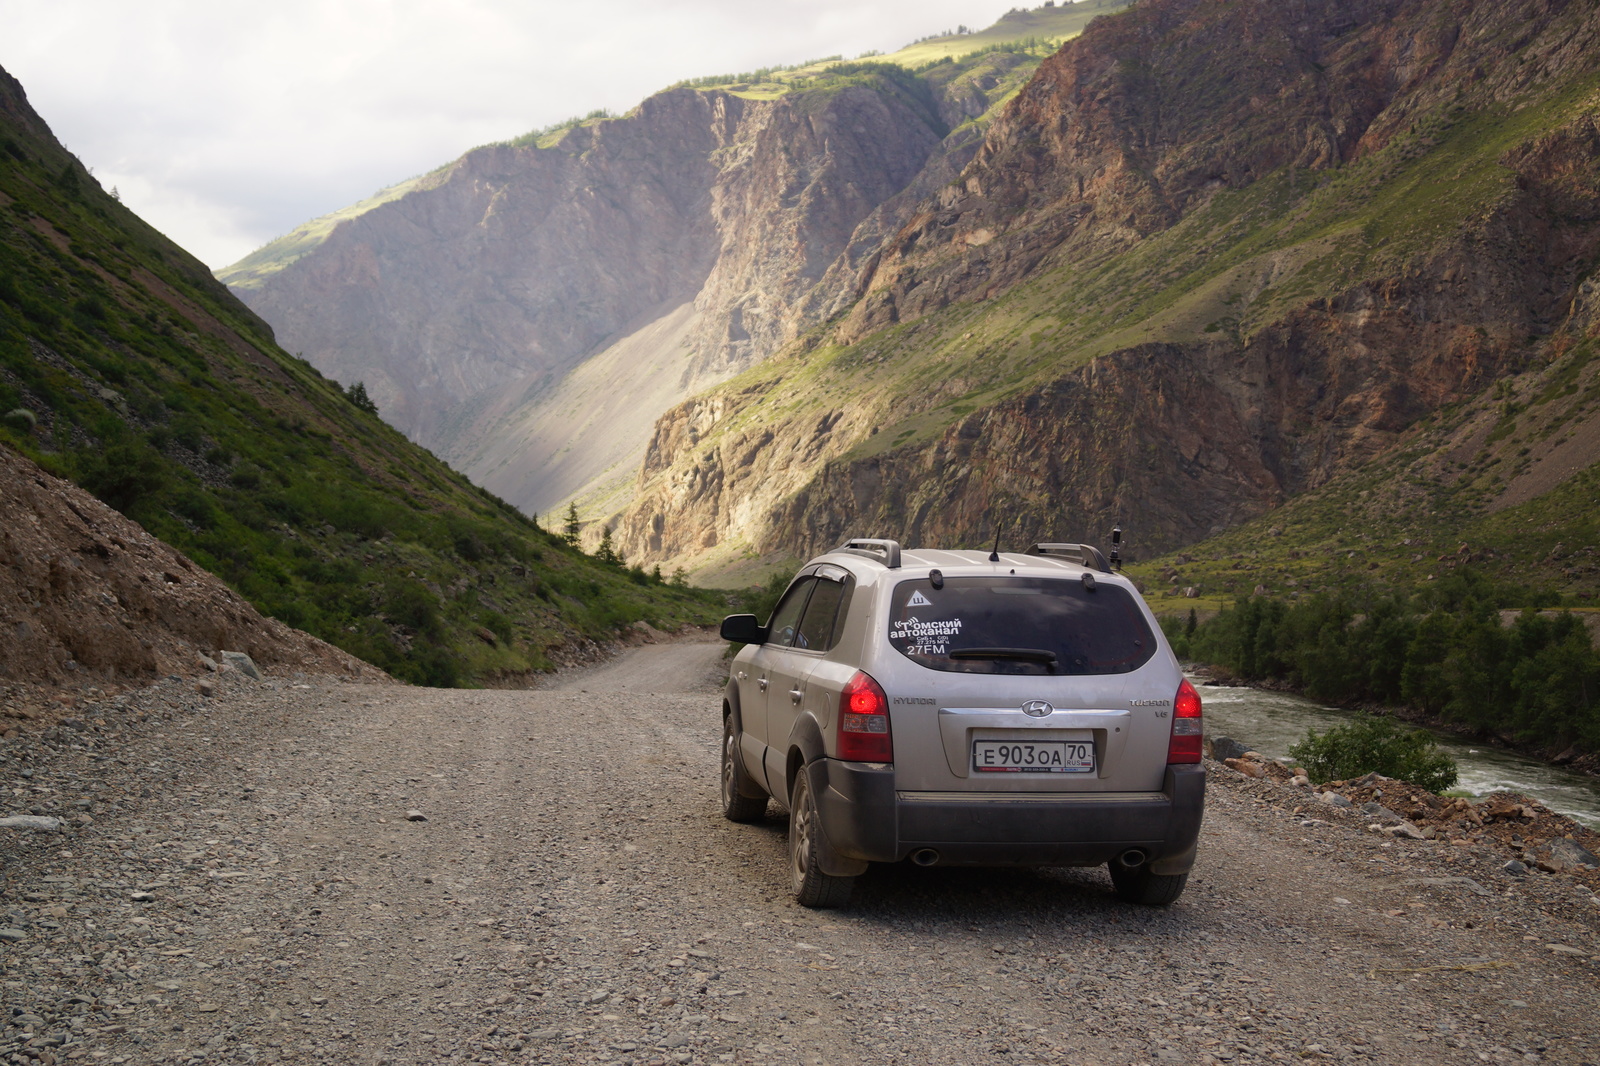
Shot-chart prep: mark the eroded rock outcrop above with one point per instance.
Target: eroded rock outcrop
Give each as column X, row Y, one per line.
column 1329, row 344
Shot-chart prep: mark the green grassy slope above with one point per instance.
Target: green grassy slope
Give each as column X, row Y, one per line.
column 126, row 367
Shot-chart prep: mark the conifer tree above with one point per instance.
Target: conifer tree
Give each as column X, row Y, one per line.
column 570, row 532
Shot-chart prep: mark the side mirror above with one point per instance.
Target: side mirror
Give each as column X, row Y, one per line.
column 743, row 629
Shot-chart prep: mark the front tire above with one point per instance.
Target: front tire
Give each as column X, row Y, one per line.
column 1139, row 885
column 812, row 887
column 736, row 806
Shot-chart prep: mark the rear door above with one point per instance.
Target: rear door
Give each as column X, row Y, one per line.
column 1024, row 683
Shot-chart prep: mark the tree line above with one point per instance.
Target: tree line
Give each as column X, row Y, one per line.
column 1443, row 651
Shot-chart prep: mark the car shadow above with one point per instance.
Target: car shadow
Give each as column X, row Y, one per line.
column 987, row 896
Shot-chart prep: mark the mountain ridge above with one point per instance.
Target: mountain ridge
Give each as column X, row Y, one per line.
column 738, row 197
column 1312, row 287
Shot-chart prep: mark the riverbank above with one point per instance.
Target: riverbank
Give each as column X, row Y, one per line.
column 1568, row 758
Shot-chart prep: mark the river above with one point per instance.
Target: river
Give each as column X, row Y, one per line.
column 1271, row 722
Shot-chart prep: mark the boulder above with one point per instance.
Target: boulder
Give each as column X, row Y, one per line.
column 1561, row 855
column 240, row 662
column 1225, row 748
column 1381, row 814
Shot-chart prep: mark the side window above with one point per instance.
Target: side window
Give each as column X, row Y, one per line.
column 786, row 619
column 822, row 613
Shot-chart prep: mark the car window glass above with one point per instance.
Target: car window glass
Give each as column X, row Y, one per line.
column 1019, row 625
column 817, row 625
column 786, row 618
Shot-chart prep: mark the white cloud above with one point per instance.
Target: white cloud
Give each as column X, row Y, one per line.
column 225, row 124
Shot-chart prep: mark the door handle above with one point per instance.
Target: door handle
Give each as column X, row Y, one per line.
column 763, row 683
column 795, row 695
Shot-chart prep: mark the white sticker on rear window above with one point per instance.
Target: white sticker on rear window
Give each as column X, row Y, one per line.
column 915, row 629
column 919, row 600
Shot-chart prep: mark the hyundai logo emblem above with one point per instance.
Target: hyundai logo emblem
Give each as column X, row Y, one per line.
column 1036, row 708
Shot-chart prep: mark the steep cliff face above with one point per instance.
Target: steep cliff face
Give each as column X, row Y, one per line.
column 619, row 211
column 672, row 247
column 1213, row 255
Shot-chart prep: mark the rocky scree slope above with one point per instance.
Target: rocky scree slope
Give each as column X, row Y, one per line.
column 669, row 248
column 87, row 596
column 1211, row 257
column 127, row 368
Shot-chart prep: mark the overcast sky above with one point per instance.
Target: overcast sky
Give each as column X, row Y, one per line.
column 226, row 124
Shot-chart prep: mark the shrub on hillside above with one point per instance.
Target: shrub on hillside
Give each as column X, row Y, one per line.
column 1375, row 745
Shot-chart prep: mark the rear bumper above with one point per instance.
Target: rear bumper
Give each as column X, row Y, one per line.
column 865, row 818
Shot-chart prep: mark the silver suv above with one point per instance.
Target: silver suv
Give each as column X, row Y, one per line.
column 965, row 708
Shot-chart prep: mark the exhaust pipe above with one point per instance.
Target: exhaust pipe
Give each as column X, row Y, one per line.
column 926, row 857
column 1131, row 858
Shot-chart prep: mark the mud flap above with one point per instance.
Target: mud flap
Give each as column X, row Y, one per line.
column 832, row 863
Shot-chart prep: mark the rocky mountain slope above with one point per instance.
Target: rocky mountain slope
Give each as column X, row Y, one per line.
column 127, row 368
column 1214, row 256
column 527, row 311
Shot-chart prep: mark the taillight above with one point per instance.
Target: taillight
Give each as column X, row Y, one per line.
column 1186, row 725
column 864, row 722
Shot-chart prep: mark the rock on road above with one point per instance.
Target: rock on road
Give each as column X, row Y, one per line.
column 314, row 871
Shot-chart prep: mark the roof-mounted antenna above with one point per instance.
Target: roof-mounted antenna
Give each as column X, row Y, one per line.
column 994, row 553
column 1116, row 546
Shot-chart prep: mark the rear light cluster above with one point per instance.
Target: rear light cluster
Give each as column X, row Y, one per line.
column 864, row 722
column 1187, row 730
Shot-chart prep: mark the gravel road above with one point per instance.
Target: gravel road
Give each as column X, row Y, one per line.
column 243, row 884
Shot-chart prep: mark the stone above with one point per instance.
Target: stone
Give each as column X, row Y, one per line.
column 1248, row 767
column 1381, row 814
column 143, row 897
column 209, row 663
column 41, row 822
column 1563, row 949
column 206, row 688
column 240, row 662
column 1333, row 799
column 1224, row 748
column 12, row 935
column 1407, row 830
column 416, row 816
column 1465, row 883
column 1515, row 867
column 1561, row 855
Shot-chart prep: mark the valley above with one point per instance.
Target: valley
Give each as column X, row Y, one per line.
column 1206, row 270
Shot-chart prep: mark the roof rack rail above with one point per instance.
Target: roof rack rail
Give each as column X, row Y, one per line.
column 886, row 551
column 1082, row 554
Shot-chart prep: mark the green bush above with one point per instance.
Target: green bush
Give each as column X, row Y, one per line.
column 1375, row 745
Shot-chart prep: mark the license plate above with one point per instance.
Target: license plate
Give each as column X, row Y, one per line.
column 1033, row 756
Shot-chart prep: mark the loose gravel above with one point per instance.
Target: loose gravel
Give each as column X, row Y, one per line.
column 302, row 870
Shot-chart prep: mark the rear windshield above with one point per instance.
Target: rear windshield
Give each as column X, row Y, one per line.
column 1019, row 625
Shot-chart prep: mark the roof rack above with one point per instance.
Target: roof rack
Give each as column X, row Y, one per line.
column 1082, row 554
column 886, row 551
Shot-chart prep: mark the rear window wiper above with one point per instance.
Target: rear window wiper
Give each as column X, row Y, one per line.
column 1026, row 655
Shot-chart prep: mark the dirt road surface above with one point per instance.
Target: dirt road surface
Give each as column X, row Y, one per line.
column 244, row 884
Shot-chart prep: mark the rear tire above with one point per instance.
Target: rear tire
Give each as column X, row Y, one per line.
column 1139, row 885
column 812, row 887
column 736, row 806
